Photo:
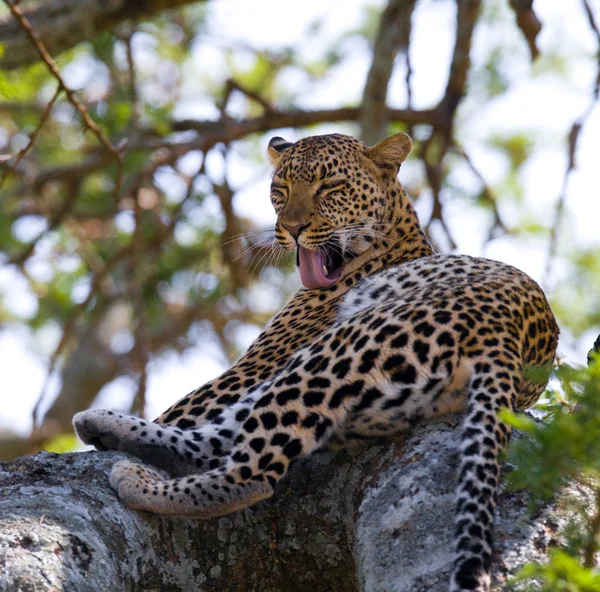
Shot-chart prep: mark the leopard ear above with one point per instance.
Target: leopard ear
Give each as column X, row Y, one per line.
column 390, row 153
column 277, row 146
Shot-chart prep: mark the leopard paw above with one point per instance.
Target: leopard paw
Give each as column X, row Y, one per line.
column 136, row 485
column 102, row 429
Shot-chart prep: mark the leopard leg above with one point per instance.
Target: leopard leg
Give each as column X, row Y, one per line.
column 211, row 494
column 177, row 451
column 374, row 374
column 484, row 438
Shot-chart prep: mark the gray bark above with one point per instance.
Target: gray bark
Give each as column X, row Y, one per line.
column 378, row 519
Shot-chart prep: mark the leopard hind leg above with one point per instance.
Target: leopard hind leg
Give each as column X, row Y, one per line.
column 177, row 451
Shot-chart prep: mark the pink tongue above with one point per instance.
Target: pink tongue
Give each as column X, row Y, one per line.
column 311, row 269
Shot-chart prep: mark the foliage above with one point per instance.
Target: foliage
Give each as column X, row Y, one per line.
column 566, row 446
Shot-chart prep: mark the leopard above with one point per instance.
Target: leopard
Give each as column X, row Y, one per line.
column 384, row 333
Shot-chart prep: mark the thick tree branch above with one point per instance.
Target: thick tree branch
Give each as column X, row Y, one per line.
column 466, row 19
column 62, row 24
column 378, row 519
column 210, row 133
column 393, row 35
column 528, row 22
column 227, row 130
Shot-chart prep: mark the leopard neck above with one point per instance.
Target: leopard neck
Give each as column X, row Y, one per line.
column 403, row 240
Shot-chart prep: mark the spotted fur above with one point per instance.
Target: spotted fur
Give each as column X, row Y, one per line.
column 402, row 335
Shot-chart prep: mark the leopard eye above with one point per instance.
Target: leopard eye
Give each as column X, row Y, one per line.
column 331, row 187
column 279, row 190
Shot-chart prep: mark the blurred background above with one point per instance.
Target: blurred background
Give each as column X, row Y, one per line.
column 136, row 258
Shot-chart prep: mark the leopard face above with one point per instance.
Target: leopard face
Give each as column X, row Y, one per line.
column 330, row 194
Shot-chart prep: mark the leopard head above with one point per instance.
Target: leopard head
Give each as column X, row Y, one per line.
column 332, row 195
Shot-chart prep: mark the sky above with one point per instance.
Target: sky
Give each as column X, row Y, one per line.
column 538, row 101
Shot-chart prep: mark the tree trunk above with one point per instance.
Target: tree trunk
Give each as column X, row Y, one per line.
column 380, row 518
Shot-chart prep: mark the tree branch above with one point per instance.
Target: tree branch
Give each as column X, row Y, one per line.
column 32, row 137
column 231, row 129
column 62, row 24
column 573, row 139
column 372, row 520
column 393, row 34
column 528, row 22
column 223, row 130
column 466, row 19
column 89, row 123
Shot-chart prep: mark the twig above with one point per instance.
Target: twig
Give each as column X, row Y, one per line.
column 133, row 93
column 485, row 190
column 231, row 85
column 573, row 140
column 440, row 139
column 141, row 352
column 53, row 223
column 21, row 154
column 594, row 26
column 79, row 106
column 142, row 337
column 437, row 213
column 69, row 325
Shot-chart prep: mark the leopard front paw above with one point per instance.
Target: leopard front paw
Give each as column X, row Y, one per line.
column 99, row 428
column 136, row 485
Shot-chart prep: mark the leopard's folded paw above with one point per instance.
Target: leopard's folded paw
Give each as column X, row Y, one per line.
column 135, row 484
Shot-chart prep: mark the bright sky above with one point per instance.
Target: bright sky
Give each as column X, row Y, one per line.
column 538, row 102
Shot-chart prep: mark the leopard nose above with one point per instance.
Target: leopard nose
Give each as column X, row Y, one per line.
column 295, row 229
